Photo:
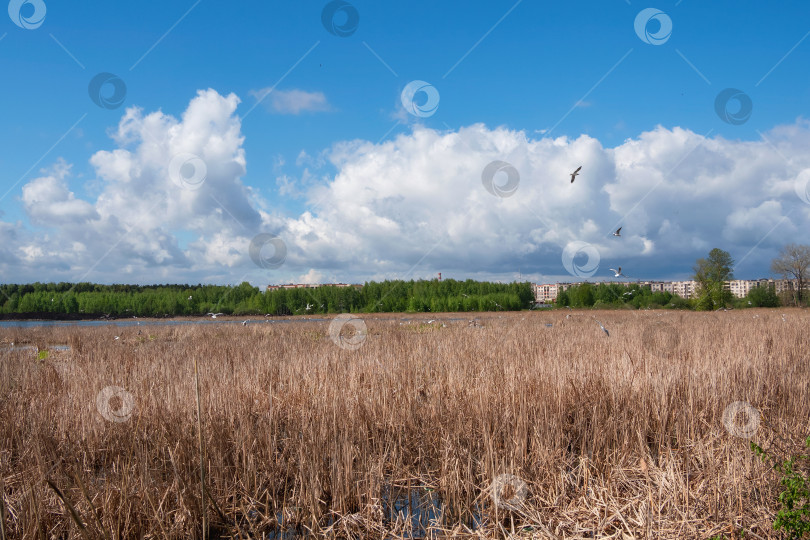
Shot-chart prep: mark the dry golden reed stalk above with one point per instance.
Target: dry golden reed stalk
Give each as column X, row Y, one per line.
column 409, row 434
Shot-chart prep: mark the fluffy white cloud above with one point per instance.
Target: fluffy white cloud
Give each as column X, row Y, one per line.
column 172, row 205
column 48, row 201
column 291, row 101
column 419, row 201
column 313, row 276
column 167, row 179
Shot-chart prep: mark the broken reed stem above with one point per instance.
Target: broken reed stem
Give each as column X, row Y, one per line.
column 202, row 458
column 73, row 513
column 2, row 509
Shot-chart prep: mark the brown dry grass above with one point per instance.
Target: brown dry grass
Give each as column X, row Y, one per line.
column 614, row 437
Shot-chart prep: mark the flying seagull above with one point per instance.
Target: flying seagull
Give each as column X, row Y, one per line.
column 244, row 323
column 213, row 315
column 575, row 173
column 603, row 328
column 618, row 273
column 618, row 232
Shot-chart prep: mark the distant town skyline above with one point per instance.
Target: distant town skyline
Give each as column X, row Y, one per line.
column 548, row 292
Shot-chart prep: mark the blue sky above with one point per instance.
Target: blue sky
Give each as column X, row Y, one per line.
column 304, row 135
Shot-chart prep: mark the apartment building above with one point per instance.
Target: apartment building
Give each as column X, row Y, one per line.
column 545, row 293
column 548, row 292
column 684, row 289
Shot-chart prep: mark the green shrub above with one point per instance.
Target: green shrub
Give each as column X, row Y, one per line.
column 794, row 513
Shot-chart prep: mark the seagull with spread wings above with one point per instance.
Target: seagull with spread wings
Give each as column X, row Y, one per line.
column 602, row 327
column 618, row 232
column 575, row 173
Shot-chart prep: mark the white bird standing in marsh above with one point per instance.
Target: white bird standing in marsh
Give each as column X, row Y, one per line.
column 575, row 173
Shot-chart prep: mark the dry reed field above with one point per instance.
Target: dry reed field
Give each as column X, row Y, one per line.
column 507, row 427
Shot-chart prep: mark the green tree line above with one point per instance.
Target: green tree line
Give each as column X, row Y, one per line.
column 88, row 299
column 635, row 296
column 711, row 275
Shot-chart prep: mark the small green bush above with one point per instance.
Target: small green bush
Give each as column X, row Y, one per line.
column 794, row 514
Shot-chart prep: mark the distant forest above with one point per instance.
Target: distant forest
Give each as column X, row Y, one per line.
column 82, row 300
column 87, row 300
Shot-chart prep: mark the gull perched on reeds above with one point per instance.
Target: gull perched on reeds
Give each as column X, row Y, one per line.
column 575, row 173
column 244, row 323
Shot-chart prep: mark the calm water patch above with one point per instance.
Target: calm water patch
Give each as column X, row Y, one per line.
column 145, row 322
column 175, row 322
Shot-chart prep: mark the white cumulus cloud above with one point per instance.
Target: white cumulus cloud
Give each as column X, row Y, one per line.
column 173, row 205
column 293, row 101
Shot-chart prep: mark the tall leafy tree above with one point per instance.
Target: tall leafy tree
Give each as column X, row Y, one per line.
column 711, row 275
column 762, row 297
column 793, row 262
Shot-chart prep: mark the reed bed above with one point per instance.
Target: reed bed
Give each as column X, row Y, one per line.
column 535, row 425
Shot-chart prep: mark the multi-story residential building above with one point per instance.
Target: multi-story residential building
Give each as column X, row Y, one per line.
column 545, row 293
column 548, row 292
column 741, row 287
column 684, row 289
column 789, row 285
column 655, row 286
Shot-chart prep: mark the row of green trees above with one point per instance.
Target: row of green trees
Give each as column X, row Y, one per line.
column 711, row 273
column 87, row 299
column 607, row 295
column 634, row 296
